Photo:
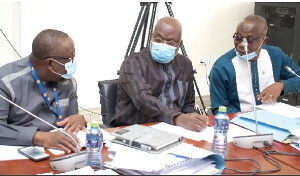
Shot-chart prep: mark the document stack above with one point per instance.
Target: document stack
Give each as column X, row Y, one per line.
column 182, row 159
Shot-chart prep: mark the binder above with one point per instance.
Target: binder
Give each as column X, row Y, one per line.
column 184, row 159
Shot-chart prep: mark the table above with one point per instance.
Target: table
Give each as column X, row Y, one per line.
column 289, row 164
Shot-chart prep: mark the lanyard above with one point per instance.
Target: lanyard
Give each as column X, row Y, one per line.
column 45, row 95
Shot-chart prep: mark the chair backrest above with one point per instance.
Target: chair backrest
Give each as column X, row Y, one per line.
column 108, row 99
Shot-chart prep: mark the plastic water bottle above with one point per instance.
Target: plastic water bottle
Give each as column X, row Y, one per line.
column 94, row 142
column 221, row 126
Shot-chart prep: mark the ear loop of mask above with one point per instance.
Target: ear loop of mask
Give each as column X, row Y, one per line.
column 58, row 63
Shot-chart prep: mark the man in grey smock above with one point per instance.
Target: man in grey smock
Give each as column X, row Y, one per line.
column 42, row 84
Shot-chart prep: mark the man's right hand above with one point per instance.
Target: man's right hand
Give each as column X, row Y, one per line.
column 191, row 121
column 55, row 140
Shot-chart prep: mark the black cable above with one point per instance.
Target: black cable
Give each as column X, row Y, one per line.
column 241, row 159
column 88, row 110
column 266, row 156
column 206, row 77
column 10, row 43
column 269, row 158
column 273, row 151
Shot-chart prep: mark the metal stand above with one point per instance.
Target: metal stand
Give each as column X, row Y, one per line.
column 142, row 23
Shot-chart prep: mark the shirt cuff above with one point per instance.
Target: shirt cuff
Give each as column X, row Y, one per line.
column 169, row 117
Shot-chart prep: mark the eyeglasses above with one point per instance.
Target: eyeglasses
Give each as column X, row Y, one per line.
column 238, row 39
column 69, row 58
column 168, row 42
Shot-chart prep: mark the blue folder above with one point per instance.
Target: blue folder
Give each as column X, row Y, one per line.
column 268, row 123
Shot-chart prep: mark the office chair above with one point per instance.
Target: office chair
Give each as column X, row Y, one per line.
column 108, row 99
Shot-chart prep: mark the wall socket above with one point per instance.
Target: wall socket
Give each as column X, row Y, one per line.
column 208, row 59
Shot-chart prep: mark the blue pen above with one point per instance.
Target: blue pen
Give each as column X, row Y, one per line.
column 179, row 156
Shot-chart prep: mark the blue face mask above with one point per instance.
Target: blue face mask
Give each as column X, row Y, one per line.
column 70, row 68
column 162, row 53
column 244, row 57
column 250, row 55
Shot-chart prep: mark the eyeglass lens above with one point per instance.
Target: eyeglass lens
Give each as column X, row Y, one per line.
column 171, row 42
column 237, row 38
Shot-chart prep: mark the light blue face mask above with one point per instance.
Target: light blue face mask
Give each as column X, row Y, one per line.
column 70, row 68
column 162, row 53
column 250, row 55
column 244, row 57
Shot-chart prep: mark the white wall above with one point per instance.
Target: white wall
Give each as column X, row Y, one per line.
column 10, row 25
column 101, row 31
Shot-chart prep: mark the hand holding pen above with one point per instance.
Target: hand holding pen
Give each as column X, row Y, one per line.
column 192, row 121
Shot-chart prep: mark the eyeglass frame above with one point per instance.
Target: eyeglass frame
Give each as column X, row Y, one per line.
column 249, row 40
column 69, row 58
column 170, row 42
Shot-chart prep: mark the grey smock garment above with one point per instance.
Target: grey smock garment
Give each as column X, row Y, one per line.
column 152, row 92
column 18, row 85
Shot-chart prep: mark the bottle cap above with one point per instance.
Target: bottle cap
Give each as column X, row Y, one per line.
column 222, row 109
column 94, row 123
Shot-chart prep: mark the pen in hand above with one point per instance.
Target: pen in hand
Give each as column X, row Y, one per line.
column 198, row 109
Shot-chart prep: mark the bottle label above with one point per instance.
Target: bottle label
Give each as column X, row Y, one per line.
column 94, row 140
column 221, row 124
column 93, row 143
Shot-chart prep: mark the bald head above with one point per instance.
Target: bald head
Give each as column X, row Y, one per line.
column 48, row 43
column 166, row 27
column 259, row 24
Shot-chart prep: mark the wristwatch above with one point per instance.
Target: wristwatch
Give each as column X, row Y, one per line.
column 280, row 81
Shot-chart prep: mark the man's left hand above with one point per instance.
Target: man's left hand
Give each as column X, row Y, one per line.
column 73, row 123
column 271, row 93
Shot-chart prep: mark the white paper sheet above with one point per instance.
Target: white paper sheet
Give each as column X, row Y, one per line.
column 89, row 171
column 206, row 134
column 281, row 109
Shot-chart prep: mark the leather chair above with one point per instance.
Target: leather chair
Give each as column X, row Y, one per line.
column 108, row 99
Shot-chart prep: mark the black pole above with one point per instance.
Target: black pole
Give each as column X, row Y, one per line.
column 151, row 23
column 145, row 24
column 172, row 15
column 135, row 28
column 140, row 28
column 198, row 91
